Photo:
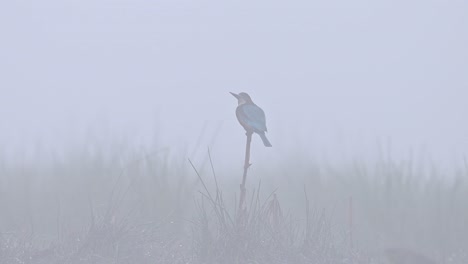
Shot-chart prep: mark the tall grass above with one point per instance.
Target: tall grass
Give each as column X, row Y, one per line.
column 124, row 205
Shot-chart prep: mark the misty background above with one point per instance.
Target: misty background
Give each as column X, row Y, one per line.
column 102, row 103
column 337, row 79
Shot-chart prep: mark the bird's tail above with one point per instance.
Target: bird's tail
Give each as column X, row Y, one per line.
column 265, row 140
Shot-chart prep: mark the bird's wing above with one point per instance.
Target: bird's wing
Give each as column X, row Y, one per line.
column 253, row 116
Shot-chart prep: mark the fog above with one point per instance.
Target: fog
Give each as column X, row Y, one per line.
column 330, row 75
column 339, row 81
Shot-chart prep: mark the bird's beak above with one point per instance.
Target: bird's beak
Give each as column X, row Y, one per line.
column 235, row 95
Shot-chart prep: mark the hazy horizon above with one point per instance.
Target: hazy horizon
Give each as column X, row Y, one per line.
column 336, row 79
column 104, row 102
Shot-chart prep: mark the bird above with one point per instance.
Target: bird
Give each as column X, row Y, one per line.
column 251, row 117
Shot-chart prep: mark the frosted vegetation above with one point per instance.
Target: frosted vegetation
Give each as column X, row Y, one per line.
column 116, row 204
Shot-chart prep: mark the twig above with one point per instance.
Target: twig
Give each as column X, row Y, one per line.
column 246, row 167
column 214, row 174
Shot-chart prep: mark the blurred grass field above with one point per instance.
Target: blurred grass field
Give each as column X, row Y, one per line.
column 118, row 204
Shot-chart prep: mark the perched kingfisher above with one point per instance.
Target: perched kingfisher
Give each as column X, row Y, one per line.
column 251, row 117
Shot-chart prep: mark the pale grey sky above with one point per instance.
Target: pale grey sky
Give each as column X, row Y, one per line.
column 334, row 77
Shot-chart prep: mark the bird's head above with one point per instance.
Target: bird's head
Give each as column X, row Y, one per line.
column 243, row 98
